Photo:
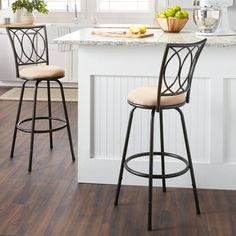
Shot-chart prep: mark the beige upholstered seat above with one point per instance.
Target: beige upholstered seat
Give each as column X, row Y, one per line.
column 42, row 72
column 147, row 96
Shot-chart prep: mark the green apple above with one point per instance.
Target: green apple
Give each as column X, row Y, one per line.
column 179, row 15
column 185, row 14
column 161, row 14
column 170, row 12
column 176, row 8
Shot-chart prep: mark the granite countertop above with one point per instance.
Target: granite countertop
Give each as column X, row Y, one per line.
column 16, row 25
column 84, row 37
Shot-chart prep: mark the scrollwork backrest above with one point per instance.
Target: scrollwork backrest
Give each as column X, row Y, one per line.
column 30, row 46
column 178, row 65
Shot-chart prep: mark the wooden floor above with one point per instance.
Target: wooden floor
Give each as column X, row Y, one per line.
column 50, row 202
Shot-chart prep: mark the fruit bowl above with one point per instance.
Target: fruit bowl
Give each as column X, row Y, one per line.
column 171, row 24
column 172, row 20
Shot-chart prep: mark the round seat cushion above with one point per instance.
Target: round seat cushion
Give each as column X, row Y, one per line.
column 42, row 72
column 147, row 96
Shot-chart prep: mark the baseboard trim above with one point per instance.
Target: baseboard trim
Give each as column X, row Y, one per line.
column 208, row 175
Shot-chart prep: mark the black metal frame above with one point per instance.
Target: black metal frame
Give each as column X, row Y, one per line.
column 183, row 87
column 22, row 57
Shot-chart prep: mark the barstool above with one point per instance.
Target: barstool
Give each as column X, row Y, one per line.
column 30, row 48
column 169, row 94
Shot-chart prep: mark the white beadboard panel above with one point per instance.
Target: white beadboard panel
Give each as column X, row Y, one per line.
column 110, row 107
column 198, row 119
column 229, row 110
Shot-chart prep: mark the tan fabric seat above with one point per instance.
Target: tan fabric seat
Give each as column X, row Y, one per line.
column 147, row 96
column 42, row 72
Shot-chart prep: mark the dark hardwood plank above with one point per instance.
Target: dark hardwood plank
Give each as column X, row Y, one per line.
column 49, row 201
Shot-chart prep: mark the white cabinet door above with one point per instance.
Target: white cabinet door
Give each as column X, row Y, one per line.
column 66, row 60
column 61, row 59
column 74, row 66
column 7, row 63
column 63, row 55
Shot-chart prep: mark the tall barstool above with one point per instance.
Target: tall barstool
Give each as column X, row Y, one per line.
column 30, row 47
column 169, row 94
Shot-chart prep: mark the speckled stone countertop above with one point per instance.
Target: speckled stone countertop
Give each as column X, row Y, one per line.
column 84, row 37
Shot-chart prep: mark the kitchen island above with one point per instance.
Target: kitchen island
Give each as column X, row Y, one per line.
column 110, row 67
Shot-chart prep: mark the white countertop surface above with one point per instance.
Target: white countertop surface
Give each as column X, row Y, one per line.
column 84, row 37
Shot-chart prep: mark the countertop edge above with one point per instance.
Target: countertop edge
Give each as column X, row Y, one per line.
column 84, row 37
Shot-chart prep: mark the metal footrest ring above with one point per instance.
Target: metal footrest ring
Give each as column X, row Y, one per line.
column 64, row 124
column 146, row 175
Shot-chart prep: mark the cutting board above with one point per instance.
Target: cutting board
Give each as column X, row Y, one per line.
column 121, row 34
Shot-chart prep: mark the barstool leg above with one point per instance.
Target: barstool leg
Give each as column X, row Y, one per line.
column 33, row 126
column 162, row 150
column 189, row 160
column 49, row 114
column 124, row 156
column 17, row 119
column 67, row 120
column 151, row 171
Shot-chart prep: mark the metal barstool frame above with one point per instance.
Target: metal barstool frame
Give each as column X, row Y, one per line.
column 184, row 88
column 22, row 57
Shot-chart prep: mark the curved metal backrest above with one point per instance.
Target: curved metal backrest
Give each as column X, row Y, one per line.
column 180, row 60
column 30, row 46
